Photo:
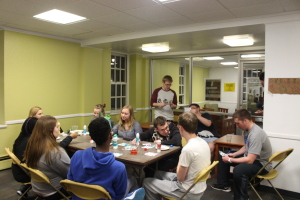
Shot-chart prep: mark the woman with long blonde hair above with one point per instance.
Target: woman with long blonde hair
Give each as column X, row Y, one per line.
column 127, row 127
column 36, row 112
column 44, row 153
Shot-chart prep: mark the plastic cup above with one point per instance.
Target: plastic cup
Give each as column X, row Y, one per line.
column 74, row 127
column 134, row 150
column 228, row 138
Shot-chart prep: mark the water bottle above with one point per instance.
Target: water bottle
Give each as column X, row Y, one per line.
column 137, row 139
column 84, row 129
column 158, row 146
column 115, row 141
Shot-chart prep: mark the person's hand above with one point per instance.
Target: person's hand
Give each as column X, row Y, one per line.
column 225, row 158
column 231, row 155
column 133, row 141
column 173, row 106
column 161, row 105
column 74, row 135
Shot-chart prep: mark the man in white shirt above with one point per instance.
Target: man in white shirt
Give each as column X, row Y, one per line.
column 195, row 156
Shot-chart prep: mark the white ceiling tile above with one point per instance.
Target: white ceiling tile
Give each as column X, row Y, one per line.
column 127, row 4
column 87, row 35
column 290, row 5
column 113, row 31
column 141, row 27
column 21, row 8
column 195, row 6
column 153, row 13
column 53, row 3
column 89, row 9
column 91, row 25
column 242, row 3
column 211, row 16
column 119, row 19
column 257, row 10
column 9, row 17
column 177, row 21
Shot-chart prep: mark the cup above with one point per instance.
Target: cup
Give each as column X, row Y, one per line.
column 133, row 150
column 74, row 127
column 228, row 138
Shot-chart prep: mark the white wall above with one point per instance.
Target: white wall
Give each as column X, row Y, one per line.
column 227, row 75
column 281, row 112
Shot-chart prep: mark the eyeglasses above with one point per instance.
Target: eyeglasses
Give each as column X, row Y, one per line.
column 164, row 129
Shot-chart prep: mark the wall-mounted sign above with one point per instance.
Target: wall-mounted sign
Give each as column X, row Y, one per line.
column 229, row 87
column 213, row 90
column 284, row 85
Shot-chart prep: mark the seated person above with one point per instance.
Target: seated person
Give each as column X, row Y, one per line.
column 98, row 166
column 44, row 153
column 205, row 129
column 36, row 112
column 169, row 134
column 195, row 156
column 99, row 112
column 127, row 127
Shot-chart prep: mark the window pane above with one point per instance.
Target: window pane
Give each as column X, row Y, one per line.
column 123, row 101
column 118, row 62
column 113, row 92
column 123, row 62
column 180, row 90
column 112, row 74
column 113, row 105
column 117, row 75
column 180, row 99
column 181, row 70
column 123, row 75
column 123, row 90
column 112, row 62
column 118, row 90
column 118, row 104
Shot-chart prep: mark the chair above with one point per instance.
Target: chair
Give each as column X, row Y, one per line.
column 16, row 161
column 202, row 176
column 276, row 157
column 227, row 127
column 183, row 141
column 39, row 176
column 85, row 191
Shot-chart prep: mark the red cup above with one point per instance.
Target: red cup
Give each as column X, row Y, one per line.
column 133, row 151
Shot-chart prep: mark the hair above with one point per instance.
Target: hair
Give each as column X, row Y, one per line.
column 194, row 104
column 99, row 130
column 101, row 108
column 33, row 111
column 188, row 121
column 167, row 78
column 131, row 119
column 242, row 114
column 42, row 141
column 262, row 76
column 159, row 121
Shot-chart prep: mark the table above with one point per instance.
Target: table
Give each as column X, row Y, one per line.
column 237, row 141
column 146, row 125
column 138, row 161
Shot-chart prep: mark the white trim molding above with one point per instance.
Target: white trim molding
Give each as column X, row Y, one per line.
column 283, row 136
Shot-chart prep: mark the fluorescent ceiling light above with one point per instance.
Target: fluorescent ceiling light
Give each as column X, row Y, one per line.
column 236, row 67
column 58, row 16
column 156, row 47
column 229, row 63
column 238, row 40
column 166, row 1
column 251, row 56
column 195, row 58
column 213, row 58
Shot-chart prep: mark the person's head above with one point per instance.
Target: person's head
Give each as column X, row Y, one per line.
column 36, row 112
column 99, row 110
column 28, row 125
column 262, row 78
column 195, row 108
column 126, row 114
column 161, row 125
column 167, row 82
column 187, row 121
column 100, row 131
column 242, row 119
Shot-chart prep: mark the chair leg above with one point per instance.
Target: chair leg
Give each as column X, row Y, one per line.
column 24, row 193
column 255, row 191
column 275, row 189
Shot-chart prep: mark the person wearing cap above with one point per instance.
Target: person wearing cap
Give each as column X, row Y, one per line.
column 205, row 129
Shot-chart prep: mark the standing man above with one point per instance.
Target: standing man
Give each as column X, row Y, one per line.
column 195, row 156
column 164, row 99
column 247, row 161
column 206, row 129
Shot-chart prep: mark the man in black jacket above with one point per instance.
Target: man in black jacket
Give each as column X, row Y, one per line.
column 169, row 134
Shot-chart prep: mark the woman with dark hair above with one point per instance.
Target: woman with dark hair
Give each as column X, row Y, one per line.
column 44, row 153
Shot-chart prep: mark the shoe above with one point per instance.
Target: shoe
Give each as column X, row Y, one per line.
column 221, row 187
column 137, row 194
column 23, row 189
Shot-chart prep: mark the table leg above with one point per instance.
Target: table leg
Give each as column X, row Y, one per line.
column 140, row 177
column 216, row 158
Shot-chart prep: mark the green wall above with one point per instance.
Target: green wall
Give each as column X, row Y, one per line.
column 199, row 76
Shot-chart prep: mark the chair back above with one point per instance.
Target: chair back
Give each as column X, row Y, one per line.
column 183, row 141
column 85, row 191
column 205, row 173
column 227, row 127
column 280, row 156
column 16, row 160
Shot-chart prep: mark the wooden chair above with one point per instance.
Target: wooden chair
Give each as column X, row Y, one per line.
column 202, row 176
column 276, row 157
column 39, row 176
column 85, row 191
column 227, row 127
column 224, row 110
column 16, row 161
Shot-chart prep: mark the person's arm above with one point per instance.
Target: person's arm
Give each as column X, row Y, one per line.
column 115, row 129
column 241, row 151
column 65, row 142
column 175, row 137
column 147, row 134
column 174, row 101
column 120, row 185
column 181, row 173
column 204, row 120
column 61, row 164
column 137, row 127
column 249, row 159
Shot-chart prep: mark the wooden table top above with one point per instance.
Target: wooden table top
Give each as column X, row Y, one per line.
column 236, row 140
column 140, row 160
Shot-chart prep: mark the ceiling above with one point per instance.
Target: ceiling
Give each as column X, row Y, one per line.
column 124, row 25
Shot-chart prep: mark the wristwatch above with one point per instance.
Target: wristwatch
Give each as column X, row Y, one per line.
column 229, row 160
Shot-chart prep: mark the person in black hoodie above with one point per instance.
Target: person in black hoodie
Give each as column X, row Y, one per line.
column 169, row 134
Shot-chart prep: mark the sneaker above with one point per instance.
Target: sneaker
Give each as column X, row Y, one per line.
column 137, row 194
column 23, row 189
column 221, row 187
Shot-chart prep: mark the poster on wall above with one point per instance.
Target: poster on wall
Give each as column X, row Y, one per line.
column 229, row 87
column 284, row 85
column 213, row 89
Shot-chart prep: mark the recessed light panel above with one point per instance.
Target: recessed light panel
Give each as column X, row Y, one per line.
column 238, row 40
column 156, row 47
column 58, row 16
column 251, row 56
column 229, row 63
column 213, row 58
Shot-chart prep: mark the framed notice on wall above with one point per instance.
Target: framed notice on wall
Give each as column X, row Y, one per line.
column 213, row 89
